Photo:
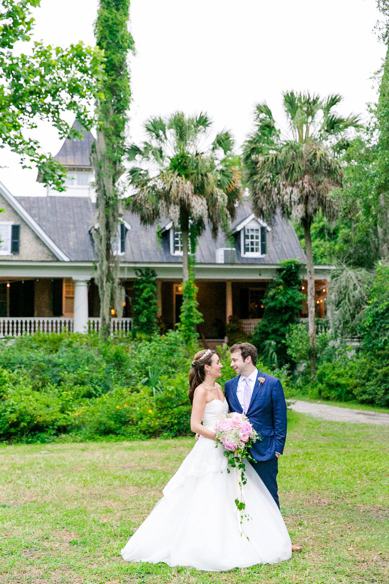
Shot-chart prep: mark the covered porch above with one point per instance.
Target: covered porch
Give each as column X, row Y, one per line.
column 58, row 297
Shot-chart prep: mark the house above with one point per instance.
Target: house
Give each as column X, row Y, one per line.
column 48, row 259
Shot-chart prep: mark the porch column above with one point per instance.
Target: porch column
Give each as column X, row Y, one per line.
column 228, row 300
column 159, row 297
column 80, row 306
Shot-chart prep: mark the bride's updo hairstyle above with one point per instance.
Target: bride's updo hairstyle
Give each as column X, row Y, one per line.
column 197, row 371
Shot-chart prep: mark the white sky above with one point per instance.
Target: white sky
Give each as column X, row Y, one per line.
column 223, row 57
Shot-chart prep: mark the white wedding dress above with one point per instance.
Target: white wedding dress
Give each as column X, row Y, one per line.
column 196, row 523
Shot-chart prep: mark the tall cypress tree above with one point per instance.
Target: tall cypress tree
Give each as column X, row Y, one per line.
column 382, row 183
column 114, row 39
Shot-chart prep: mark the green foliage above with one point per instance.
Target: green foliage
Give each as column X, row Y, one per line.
column 51, row 384
column 144, row 305
column 339, row 380
column 190, row 184
column 359, row 378
column 189, row 314
column 282, row 302
column 375, row 324
column 42, row 84
column 112, row 105
column 349, row 290
column 297, row 343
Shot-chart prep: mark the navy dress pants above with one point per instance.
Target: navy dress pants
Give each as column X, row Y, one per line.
column 267, row 470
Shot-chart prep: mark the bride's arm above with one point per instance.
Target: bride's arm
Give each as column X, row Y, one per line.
column 199, row 401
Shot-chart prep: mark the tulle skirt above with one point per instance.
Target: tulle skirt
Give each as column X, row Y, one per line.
column 197, row 524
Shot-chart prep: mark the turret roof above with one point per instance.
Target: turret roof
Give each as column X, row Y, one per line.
column 76, row 153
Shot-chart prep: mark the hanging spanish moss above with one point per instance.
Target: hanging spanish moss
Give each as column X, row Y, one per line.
column 113, row 37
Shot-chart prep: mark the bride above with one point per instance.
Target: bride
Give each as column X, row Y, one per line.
column 196, row 523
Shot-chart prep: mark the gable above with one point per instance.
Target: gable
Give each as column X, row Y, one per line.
column 31, row 247
column 34, row 242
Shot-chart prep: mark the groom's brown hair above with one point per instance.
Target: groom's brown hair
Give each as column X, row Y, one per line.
column 247, row 350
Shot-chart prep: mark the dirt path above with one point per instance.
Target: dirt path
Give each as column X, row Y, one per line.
column 335, row 414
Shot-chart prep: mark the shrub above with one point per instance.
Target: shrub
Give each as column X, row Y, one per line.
column 80, row 386
column 25, row 412
column 190, row 316
column 282, row 302
column 375, row 323
column 144, row 306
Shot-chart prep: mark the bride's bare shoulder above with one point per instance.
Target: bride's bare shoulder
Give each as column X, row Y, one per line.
column 200, row 391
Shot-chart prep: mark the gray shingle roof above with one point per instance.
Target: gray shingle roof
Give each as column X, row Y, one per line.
column 75, row 153
column 67, row 221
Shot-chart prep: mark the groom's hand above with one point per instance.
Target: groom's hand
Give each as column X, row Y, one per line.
column 278, row 454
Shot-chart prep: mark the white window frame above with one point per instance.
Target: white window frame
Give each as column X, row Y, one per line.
column 73, row 180
column 173, row 232
column 7, row 251
column 251, row 254
column 116, row 252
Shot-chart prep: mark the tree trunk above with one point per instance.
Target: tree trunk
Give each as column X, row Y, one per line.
column 184, row 223
column 185, row 256
column 103, row 236
column 311, row 294
column 383, row 230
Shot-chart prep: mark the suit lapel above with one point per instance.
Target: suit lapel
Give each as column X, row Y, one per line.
column 234, row 396
column 255, row 390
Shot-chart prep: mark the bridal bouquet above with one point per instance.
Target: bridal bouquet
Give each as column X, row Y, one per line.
column 236, row 434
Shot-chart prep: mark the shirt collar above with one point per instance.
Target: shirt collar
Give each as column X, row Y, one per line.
column 252, row 376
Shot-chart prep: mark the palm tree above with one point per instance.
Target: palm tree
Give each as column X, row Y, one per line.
column 297, row 173
column 185, row 176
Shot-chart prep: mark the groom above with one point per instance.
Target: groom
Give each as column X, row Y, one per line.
column 261, row 398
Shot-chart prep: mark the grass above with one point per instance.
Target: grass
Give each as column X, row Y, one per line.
column 67, row 509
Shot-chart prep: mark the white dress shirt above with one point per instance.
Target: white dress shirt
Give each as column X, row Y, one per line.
column 252, row 378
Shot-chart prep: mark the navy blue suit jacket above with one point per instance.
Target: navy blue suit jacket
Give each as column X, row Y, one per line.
column 267, row 413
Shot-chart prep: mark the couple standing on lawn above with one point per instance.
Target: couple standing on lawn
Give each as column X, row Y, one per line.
column 197, row 523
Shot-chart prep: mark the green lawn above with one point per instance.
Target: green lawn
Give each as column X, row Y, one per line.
column 67, row 509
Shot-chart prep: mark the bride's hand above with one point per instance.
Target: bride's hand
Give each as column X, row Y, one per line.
column 197, row 437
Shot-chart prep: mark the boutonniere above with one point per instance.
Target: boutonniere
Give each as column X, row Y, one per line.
column 261, row 380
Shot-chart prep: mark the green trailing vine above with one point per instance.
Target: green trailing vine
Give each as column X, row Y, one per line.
column 112, row 106
column 144, row 306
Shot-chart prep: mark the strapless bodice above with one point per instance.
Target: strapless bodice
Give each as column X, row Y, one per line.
column 213, row 412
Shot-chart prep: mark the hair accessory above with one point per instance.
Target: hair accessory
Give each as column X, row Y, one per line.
column 206, row 354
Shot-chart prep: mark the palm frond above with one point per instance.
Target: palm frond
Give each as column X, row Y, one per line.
column 156, row 128
column 223, row 140
column 262, row 109
column 133, row 151
column 291, row 104
column 180, row 128
column 202, row 122
column 331, row 101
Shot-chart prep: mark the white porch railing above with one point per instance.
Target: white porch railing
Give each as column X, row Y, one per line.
column 119, row 326
column 19, row 326
column 249, row 324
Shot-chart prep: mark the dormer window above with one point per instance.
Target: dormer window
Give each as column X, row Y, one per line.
column 78, row 179
column 177, row 241
column 253, row 237
column 118, row 242
column 254, row 241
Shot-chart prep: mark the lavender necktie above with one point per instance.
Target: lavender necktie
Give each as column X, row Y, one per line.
column 246, row 394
